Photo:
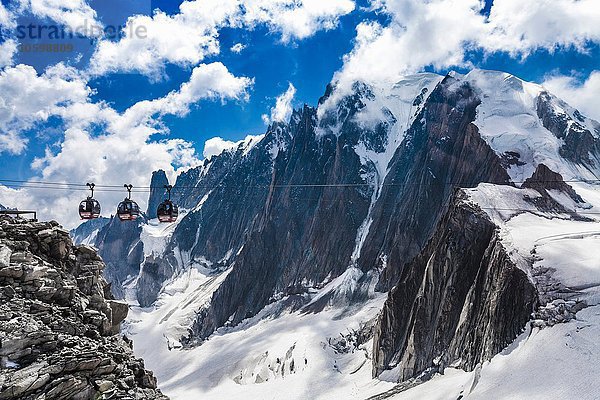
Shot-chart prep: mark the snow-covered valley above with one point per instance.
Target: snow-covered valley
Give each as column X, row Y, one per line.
column 277, row 354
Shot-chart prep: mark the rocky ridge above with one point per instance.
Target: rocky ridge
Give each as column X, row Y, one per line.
column 461, row 300
column 59, row 324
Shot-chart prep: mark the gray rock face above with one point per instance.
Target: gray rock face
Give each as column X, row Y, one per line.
column 293, row 241
column 544, row 179
column 87, row 232
column 157, row 192
column 59, row 326
column 154, row 271
column 121, row 249
column 461, row 299
column 442, row 150
column 580, row 146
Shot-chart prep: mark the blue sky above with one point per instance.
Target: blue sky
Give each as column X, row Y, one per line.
column 278, row 52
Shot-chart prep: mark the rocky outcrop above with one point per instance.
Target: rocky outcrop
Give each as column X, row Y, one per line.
column 158, row 192
column 59, row 327
column 460, row 300
column 544, row 179
column 551, row 186
column 580, row 145
column 155, row 271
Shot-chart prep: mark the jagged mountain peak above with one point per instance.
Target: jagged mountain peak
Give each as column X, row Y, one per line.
column 526, row 126
column 157, row 192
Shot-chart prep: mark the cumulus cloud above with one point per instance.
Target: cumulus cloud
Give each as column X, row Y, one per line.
column 7, row 52
column 440, row 32
column 519, row 27
column 237, row 48
column 11, row 142
column 296, row 19
column 584, row 96
column 208, row 81
column 184, row 39
column 283, row 106
column 76, row 14
column 5, row 16
column 215, row 146
column 188, row 37
column 27, row 98
column 99, row 143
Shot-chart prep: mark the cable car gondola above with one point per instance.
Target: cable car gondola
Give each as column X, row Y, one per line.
column 128, row 210
column 89, row 208
column 167, row 211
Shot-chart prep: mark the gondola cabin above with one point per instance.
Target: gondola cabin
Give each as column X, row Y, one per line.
column 128, row 210
column 167, row 211
column 89, row 208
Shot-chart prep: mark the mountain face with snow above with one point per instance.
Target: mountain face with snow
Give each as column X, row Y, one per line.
column 87, row 232
column 391, row 209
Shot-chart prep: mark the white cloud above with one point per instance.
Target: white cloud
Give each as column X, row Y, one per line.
column 296, row 19
column 283, row 106
column 76, row 14
column 208, row 81
column 521, row 26
column 5, row 16
column 237, row 48
column 439, row 32
column 419, row 34
column 217, row 145
column 101, row 144
column 11, row 142
column 7, row 52
column 186, row 38
column 27, row 99
column 583, row 96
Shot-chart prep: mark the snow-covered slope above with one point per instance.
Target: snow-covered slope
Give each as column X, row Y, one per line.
column 565, row 248
column 508, row 120
column 396, row 108
column 277, row 354
column 87, row 232
column 297, row 355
